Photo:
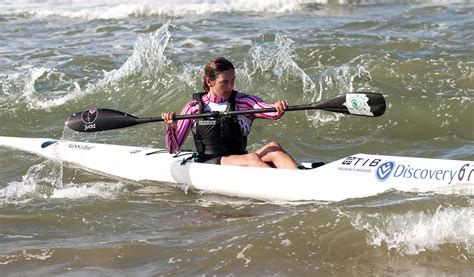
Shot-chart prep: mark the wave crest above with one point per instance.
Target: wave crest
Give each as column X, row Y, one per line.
column 115, row 9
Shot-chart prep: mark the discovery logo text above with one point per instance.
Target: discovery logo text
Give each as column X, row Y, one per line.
column 387, row 169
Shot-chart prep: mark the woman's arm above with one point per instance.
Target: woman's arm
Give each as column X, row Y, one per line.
column 249, row 102
column 177, row 131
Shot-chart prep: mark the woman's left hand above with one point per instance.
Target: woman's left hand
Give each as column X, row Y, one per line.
column 280, row 106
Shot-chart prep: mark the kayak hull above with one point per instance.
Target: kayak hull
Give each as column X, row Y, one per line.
column 355, row 176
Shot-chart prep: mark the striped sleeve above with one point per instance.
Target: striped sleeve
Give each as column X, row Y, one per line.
column 175, row 138
column 249, row 102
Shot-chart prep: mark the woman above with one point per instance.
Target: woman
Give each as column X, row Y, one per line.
column 223, row 140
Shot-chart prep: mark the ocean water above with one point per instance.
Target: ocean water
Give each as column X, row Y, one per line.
column 146, row 57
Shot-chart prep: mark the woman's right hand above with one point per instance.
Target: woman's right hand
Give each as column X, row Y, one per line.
column 281, row 106
column 168, row 118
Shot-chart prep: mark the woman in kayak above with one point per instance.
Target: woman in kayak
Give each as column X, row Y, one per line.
column 223, row 140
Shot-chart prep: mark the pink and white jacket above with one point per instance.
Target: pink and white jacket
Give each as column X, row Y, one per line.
column 176, row 137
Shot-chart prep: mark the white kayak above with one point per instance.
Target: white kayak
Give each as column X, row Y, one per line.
column 359, row 175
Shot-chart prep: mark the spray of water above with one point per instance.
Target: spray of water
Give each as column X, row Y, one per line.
column 413, row 232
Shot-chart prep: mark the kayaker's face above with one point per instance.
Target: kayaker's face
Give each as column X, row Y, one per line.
column 223, row 85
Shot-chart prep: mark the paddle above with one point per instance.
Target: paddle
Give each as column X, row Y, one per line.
column 357, row 103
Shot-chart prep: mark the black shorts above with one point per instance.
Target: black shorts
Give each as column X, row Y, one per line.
column 215, row 160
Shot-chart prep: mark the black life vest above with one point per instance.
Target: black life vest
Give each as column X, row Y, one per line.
column 218, row 136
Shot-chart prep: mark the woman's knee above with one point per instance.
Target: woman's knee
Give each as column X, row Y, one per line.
column 269, row 150
column 254, row 157
column 274, row 144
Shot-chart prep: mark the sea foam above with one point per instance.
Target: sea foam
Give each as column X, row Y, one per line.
column 412, row 233
column 108, row 9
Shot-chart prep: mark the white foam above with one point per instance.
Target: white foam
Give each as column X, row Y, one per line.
column 414, row 232
column 27, row 255
column 20, row 88
column 22, row 192
column 42, row 255
column 15, row 192
column 117, row 9
column 45, row 180
column 278, row 58
column 108, row 9
column 147, row 57
column 32, row 184
column 99, row 189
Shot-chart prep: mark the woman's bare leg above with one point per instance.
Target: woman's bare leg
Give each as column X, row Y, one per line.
column 251, row 159
column 272, row 152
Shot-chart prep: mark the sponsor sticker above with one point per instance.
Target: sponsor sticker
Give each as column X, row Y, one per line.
column 448, row 175
column 383, row 171
column 207, row 122
column 88, row 118
column 358, row 104
column 80, row 146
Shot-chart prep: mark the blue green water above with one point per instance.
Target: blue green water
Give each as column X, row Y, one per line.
column 59, row 57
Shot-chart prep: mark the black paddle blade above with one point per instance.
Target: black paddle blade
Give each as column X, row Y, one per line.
column 376, row 102
column 355, row 103
column 96, row 120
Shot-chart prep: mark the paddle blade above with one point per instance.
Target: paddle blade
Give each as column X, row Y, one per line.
column 96, row 120
column 355, row 103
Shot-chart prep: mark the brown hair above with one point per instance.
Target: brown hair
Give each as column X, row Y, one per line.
column 215, row 67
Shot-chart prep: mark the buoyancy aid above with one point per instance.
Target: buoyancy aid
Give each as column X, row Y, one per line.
column 218, row 136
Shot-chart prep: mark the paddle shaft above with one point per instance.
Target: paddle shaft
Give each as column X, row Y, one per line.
column 227, row 113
